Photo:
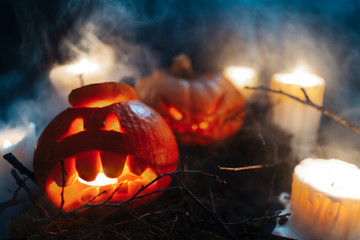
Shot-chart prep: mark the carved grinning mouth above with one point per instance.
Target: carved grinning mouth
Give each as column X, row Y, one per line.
column 89, row 173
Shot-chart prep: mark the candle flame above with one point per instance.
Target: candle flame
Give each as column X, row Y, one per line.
column 84, row 66
column 333, row 177
column 100, row 180
column 302, row 78
column 6, row 143
column 240, row 76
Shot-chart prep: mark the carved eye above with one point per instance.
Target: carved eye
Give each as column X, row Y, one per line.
column 174, row 112
column 76, row 126
column 216, row 105
column 112, row 123
column 204, row 125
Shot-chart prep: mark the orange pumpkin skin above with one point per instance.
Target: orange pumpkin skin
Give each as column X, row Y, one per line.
column 126, row 143
column 200, row 110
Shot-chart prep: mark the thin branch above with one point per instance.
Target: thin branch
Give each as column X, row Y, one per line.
column 248, row 167
column 134, row 197
column 13, row 201
column 259, row 219
column 63, row 173
column 308, row 102
column 211, row 213
column 19, row 166
column 173, row 226
column 213, row 208
column 21, row 182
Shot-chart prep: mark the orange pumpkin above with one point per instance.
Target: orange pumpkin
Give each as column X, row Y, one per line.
column 200, row 109
column 108, row 140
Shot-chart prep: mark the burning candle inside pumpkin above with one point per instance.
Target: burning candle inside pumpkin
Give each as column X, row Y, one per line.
column 242, row 77
column 325, row 201
column 109, row 142
column 200, row 108
column 298, row 119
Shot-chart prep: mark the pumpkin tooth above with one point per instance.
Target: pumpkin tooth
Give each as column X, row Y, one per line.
column 88, row 165
column 136, row 165
column 113, row 163
column 69, row 175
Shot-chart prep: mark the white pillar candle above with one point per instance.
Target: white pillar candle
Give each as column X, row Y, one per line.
column 242, row 77
column 87, row 69
column 20, row 141
column 294, row 117
column 325, row 201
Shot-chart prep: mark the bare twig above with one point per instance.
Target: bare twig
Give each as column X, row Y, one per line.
column 308, row 102
column 173, row 226
column 13, row 201
column 22, row 184
column 260, row 219
column 211, row 213
column 19, row 166
column 248, row 167
column 63, row 173
column 213, row 208
column 134, row 197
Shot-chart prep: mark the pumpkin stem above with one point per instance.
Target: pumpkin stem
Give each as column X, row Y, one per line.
column 181, row 66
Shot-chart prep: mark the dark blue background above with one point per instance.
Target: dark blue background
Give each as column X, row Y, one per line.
column 270, row 36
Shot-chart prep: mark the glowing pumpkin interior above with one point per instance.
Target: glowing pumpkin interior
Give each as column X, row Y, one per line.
column 78, row 191
column 84, row 176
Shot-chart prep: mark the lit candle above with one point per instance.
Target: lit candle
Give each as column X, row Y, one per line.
column 20, row 141
column 94, row 68
column 325, row 201
column 296, row 118
column 242, row 77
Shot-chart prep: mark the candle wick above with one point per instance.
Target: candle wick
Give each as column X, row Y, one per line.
column 81, row 78
column 332, row 184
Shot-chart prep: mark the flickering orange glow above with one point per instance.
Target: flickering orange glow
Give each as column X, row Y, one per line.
column 101, row 95
column 82, row 191
column 100, row 180
column 104, row 153
column 76, row 126
column 204, row 125
column 214, row 107
column 175, row 113
column 99, row 104
column 112, row 123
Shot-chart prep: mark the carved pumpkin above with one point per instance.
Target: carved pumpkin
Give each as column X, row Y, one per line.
column 200, row 109
column 107, row 141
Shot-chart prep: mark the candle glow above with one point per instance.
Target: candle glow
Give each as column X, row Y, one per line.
column 325, row 201
column 296, row 118
column 95, row 66
column 242, row 77
column 20, row 141
column 84, row 66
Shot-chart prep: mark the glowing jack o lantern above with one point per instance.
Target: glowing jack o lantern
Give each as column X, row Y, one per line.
column 108, row 141
column 199, row 108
